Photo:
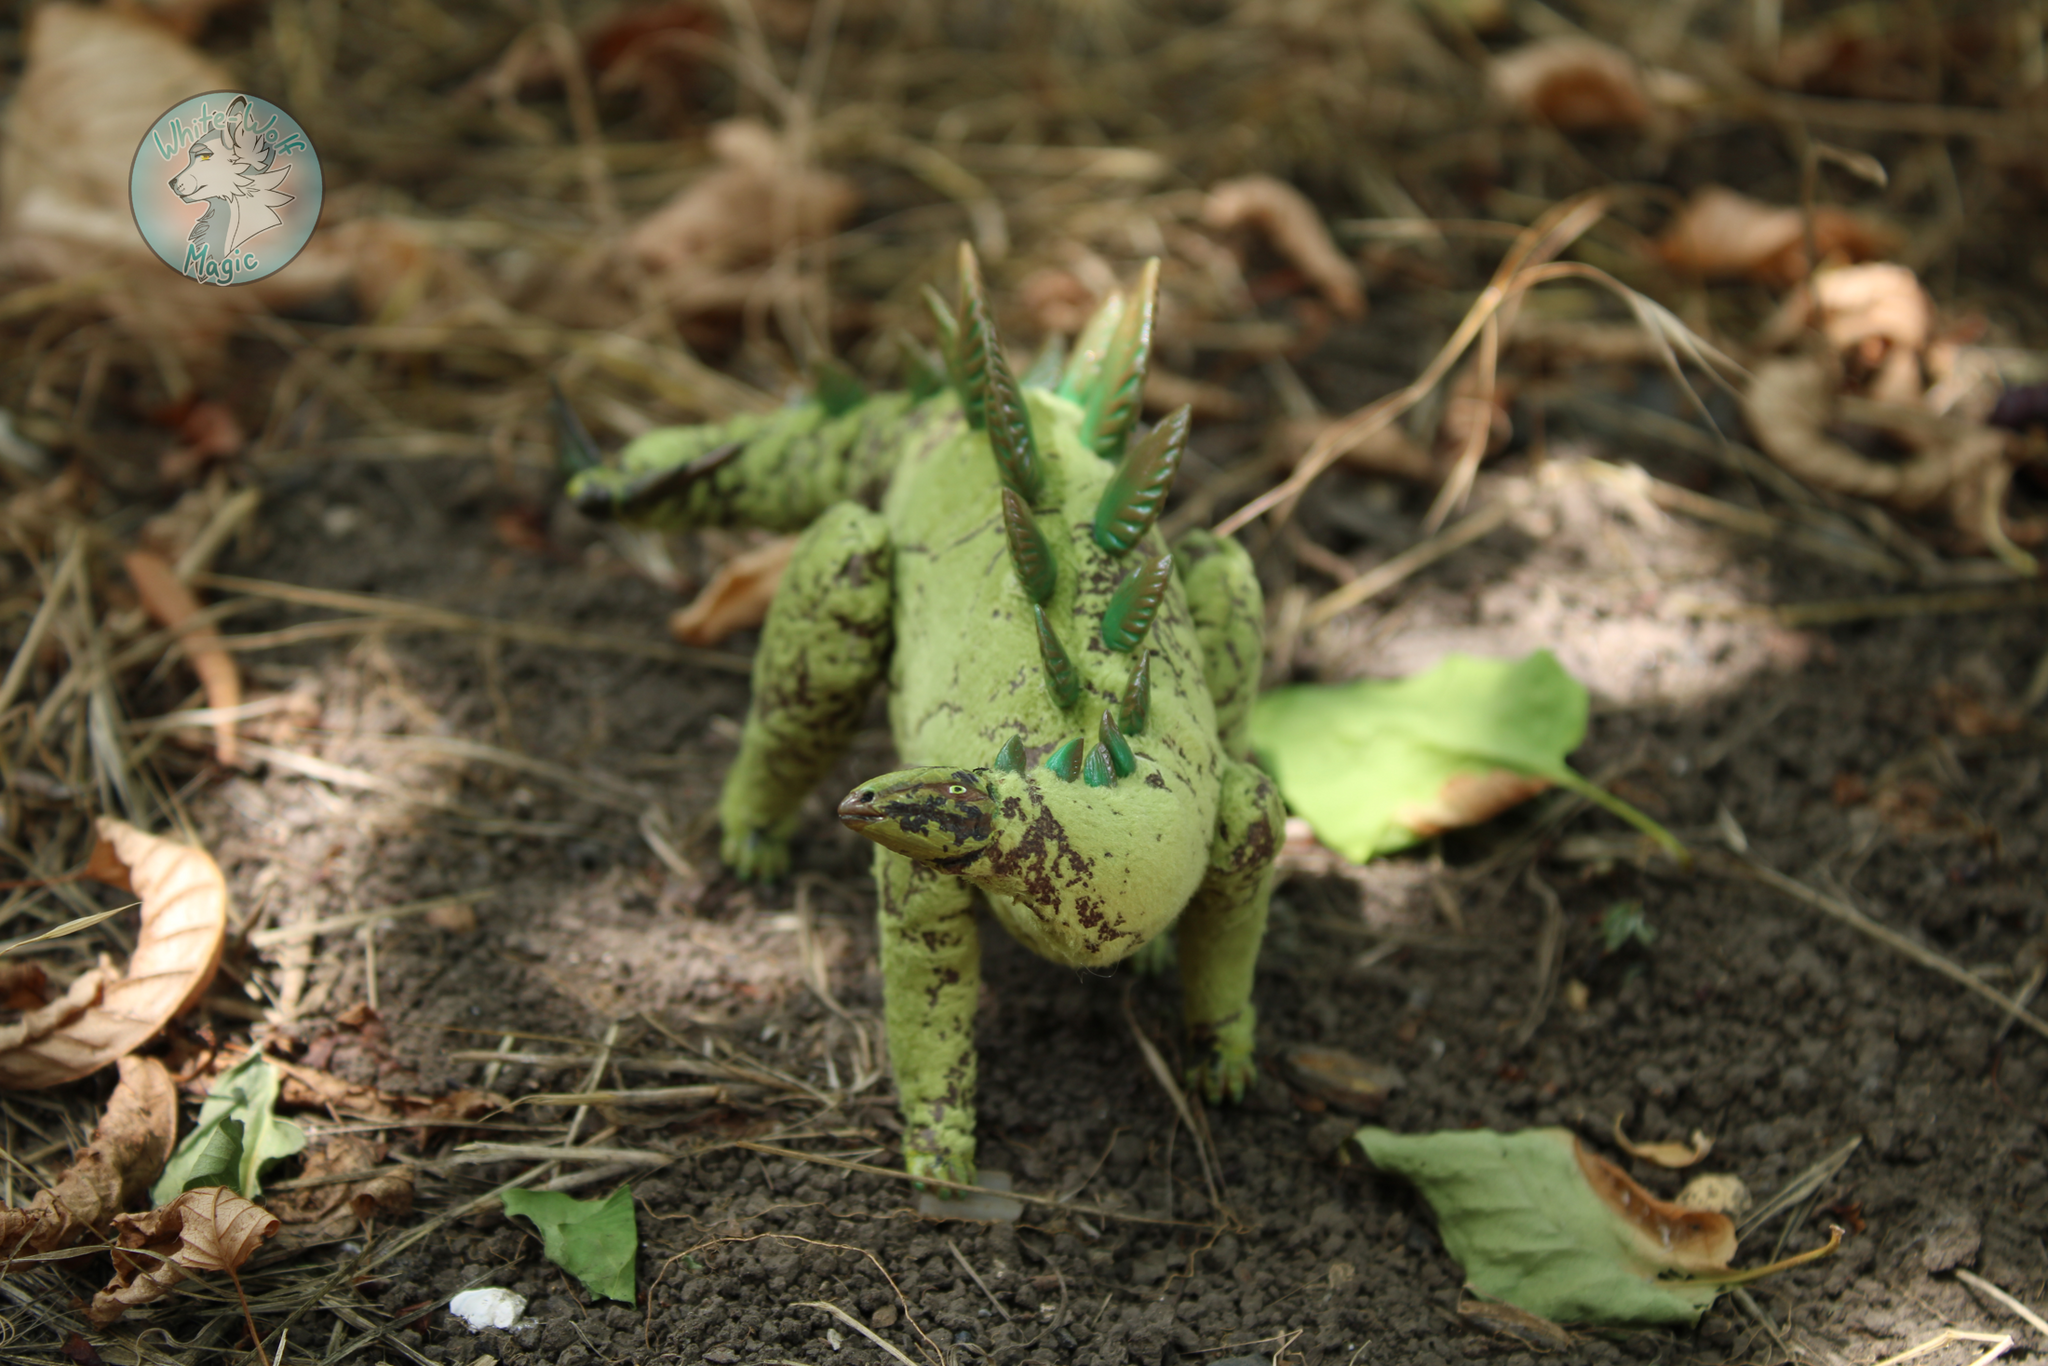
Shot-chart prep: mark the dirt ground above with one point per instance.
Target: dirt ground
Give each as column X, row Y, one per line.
column 1888, row 761
column 1851, row 756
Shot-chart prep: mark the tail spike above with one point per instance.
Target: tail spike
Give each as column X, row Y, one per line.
column 1135, row 706
column 923, row 373
column 1084, row 363
column 1115, row 396
column 1137, row 491
column 1066, row 760
column 1045, row 367
column 1135, row 602
column 1062, row 680
column 1029, row 554
column 1010, row 758
column 973, row 337
column 1098, row 769
column 837, row 388
column 1119, row 748
column 574, row 447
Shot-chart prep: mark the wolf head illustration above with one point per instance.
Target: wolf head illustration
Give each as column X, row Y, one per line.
column 230, row 168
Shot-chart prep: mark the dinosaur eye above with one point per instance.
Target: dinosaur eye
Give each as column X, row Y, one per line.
column 957, row 790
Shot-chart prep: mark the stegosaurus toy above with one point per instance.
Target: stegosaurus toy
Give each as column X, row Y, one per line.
column 1070, row 695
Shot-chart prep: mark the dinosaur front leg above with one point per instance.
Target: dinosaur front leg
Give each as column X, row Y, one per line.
column 824, row 647
column 1221, row 928
column 931, row 980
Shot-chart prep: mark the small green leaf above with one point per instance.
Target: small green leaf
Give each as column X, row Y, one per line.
column 1523, row 1217
column 246, row 1095
column 595, row 1241
column 1360, row 761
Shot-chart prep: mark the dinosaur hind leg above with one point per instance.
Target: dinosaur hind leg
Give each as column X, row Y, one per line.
column 823, row 649
column 1220, row 930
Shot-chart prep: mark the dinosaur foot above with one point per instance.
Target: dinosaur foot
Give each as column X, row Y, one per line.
column 1223, row 1075
column 755, row 855
column 958, row 1166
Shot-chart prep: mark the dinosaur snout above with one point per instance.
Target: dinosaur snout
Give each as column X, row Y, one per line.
column 857, row 808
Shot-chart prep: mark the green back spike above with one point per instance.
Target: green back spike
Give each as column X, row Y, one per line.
column 1029, row 554
column 1098, row 769
column 1119, row 748
column 574, row 447
column 1010, row 758
column 1137, row 491
column 974, row 335
column 837, row 389
column 1085, row 361
column 1136, row 703
column 1115, row 395
column 948, row 328
column 1045, row 367
column 1009, row 421
column 923, row 373
column 1061, row 678
column 1134, row 603
column 1066, row 760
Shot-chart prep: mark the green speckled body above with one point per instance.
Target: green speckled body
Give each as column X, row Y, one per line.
column 1070, row 696
column 966, row 676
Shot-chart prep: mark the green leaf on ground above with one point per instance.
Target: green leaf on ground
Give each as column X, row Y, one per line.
column 595, row 1241
column 1538, row 1222
column 238, row 1135
column 1375, row 765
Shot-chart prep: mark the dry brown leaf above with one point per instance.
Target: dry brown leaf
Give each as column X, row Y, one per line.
column 23, row 984
column 1285, row 218
column 167, row 600
column 1575, row 84
column 1789, row 404
column 1879, row 313
column 310, row 1088
column 208, row 432
column 1339, row 1080
column 1671, row 1155
column 209, row 1229
column 127, row 1151
column 1665, row 1234
column 1470, row 798
column 335, row 1208
column 177, row 949
column 1721, row 235
column 707, row 245
column 737, row 596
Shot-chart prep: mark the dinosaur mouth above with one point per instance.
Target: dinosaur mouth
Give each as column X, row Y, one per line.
column 858, row 808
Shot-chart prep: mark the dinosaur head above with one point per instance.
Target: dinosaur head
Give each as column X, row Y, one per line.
column 942, row 816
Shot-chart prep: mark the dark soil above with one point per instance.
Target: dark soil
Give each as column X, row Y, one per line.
column 1859, row 759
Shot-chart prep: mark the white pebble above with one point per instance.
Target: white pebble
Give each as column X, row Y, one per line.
column 490, row 1307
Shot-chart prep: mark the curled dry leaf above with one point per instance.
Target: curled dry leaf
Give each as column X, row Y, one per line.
column 167, row 600
column 209, row 1229
column 1469, row 798
column 1881, row 317
column 1285, row 218
column 1670, row 1155
column 1340, row 1080
column 105, row 1016
column 23, row 985
column 335, row 1208
column 1575, row 84
column 1722, row 235
column 706, row 246
column 114, row 1169
column 1664, row 1234
column 1789, row 405
column 737, row 596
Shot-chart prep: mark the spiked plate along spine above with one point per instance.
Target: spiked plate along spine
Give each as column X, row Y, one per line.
column 1137, row 491
column 1029, row 554
column 1066, row 760
column 948, row 328
column 1113, row 398
column 1098, row 769
column 1010, row 758
column 1009, row 422
column 837, row 389
column 1119, row 749
column 1135, row 706
column 973, row 335
column 1135, row 602
column 1085, row 363
column 1062, row 680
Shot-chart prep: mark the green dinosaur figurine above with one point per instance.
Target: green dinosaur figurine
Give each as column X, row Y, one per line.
column 1071, row 697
